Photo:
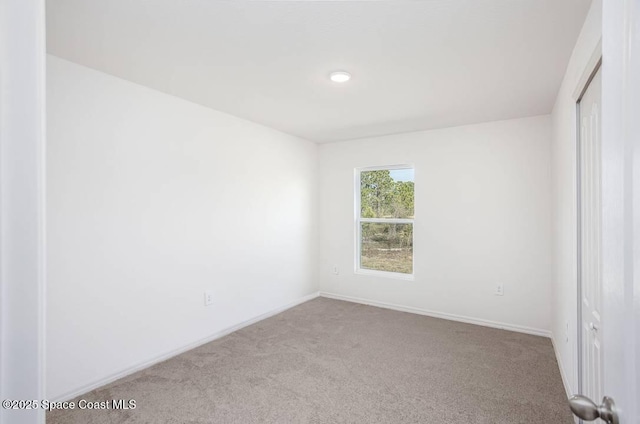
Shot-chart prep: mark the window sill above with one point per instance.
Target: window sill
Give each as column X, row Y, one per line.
column 385, row 274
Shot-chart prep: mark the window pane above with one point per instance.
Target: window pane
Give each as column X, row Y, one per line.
column 387, row 247
column 386, row 193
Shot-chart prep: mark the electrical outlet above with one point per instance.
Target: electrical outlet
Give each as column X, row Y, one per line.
column 208, row 298
column 499, row 290
column 336, row 270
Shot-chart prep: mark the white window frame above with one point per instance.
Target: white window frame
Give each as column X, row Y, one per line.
column 358, row 220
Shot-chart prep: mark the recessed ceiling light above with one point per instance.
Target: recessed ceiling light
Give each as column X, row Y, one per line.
column 340, row 76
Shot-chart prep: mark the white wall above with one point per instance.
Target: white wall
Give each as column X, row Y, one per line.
column 482, row 218
column 152, row 200
column 22, row 143
column 563, row 151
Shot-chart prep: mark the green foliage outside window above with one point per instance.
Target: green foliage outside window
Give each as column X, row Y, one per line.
column 383, row 197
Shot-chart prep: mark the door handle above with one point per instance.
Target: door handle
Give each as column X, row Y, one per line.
column 585, row 408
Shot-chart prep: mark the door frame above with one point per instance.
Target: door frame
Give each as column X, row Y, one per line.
column 621, row 204
column 22, row 206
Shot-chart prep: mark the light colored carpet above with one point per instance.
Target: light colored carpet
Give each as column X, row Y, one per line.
column 328, row 361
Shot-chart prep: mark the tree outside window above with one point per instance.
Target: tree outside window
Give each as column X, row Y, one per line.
column 385, row 220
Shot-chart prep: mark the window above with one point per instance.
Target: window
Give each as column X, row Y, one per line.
column 384, row 221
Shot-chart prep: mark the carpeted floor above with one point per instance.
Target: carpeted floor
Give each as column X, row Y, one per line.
column 328, row 361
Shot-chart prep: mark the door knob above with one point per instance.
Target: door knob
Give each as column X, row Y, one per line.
column 585, row 408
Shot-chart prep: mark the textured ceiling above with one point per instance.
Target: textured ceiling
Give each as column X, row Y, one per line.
column 415, row 64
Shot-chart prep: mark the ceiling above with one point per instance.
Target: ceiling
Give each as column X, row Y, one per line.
column 416, row 64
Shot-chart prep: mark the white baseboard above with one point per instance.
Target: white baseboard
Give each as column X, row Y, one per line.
column 167, row 355
column 563, row 374
column 443, row 315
